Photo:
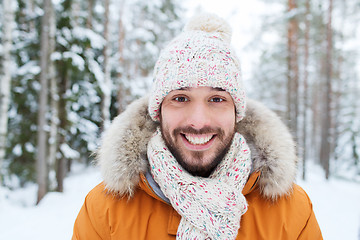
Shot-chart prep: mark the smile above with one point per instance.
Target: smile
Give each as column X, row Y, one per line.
column 198, row 139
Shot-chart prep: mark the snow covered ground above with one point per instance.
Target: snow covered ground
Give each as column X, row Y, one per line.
column 54, row 217
column 336, row 203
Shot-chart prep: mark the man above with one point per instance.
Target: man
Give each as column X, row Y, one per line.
column 191, row 161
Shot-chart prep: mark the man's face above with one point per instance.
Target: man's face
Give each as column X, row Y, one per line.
column 198, row 125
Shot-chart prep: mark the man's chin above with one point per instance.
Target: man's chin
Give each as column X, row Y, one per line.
column 198, row 167
column 198, row 171
column 198, row 163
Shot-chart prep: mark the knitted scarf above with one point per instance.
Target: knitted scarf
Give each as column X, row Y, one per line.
column 209, row 207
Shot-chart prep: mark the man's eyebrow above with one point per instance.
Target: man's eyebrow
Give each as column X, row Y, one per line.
column 184, row 89
column 219, row 89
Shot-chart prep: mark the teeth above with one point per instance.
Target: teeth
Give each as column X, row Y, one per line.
column 198, row 140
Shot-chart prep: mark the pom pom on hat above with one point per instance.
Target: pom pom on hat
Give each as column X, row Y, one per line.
column 208, row 22
column 200, row 56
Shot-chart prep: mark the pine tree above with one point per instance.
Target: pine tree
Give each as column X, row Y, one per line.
column 305, row 87
column 146, row 28
column 327, row 71
column 70, row 107
column 106, row 82
column 42, row 150
column 24, row 93
column 327, row 117
column 8, row 18
column 293, row 69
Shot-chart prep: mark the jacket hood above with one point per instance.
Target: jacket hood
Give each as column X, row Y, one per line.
column 122, row 155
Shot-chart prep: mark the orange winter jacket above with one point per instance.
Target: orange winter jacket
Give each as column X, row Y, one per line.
column 127, row 205
column 146, row 216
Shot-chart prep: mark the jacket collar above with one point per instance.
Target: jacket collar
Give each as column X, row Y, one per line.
column 122, row 154
column 148, row 184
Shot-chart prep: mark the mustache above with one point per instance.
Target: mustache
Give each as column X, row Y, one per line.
column 205, row 130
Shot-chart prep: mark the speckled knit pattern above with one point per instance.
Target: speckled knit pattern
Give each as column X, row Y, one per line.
column 199, row 56
column 210, row 207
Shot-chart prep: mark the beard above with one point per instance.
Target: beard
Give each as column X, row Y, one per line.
column 197, row 169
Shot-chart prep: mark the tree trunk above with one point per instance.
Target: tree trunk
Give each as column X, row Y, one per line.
column 41, row 166
column 326, row 121
column 75, row 12
column 30, row 5
column 5, row 82
column 63, row 86
column 338, row 90
column 306, row 74
column 121, row 42
column 64, row 83
column 61, row 162
column 54, row 97
column 60, row 173
column 355, row 149
column 106, row 85
column 90, row 14
column 315, row 121
column 293, row 70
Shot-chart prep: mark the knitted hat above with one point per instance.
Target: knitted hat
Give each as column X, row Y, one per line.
column 200, row 56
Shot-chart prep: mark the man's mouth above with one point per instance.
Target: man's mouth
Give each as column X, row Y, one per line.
column 198, row 139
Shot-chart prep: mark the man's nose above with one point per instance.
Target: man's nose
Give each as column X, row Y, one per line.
column 198, row 115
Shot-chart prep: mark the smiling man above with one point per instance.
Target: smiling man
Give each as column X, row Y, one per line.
column 196, row 159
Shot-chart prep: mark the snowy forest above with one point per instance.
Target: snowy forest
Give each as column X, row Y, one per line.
column 68, row 67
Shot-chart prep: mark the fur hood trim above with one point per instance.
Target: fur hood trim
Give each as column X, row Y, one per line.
column 122, row 155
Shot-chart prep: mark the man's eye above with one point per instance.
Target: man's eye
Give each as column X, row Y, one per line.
column 181, row 99
column 216, row 99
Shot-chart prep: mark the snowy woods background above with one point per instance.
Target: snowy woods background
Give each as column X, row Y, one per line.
column 72, row 66
column 68, row 67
